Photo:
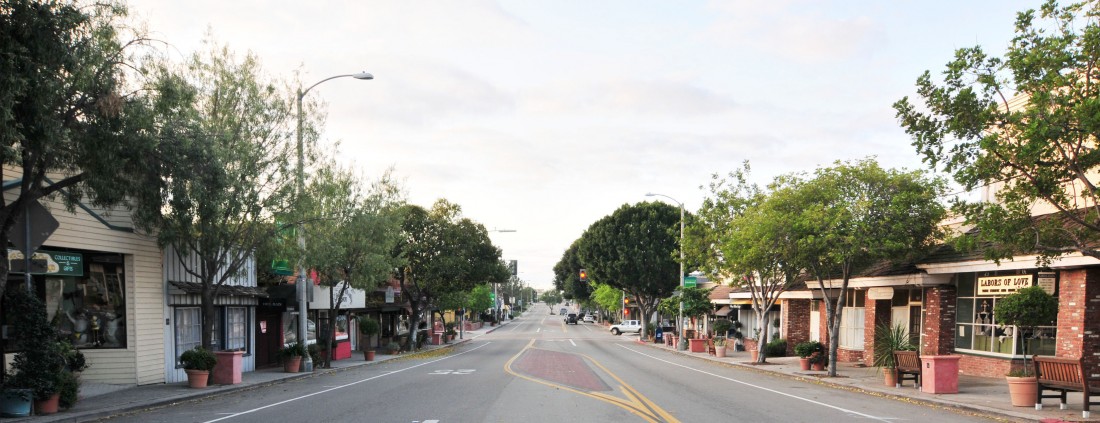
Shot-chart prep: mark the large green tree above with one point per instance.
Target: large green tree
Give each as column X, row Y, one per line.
column 1024, row 125
column 443, row 252
column 69, row 123
column 567, row 277
column 225, row 134
column 632, row 249
column 351, row 233
column 855, row 214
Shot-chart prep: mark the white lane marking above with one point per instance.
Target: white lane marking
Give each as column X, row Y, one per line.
column 571, row 342
column 345, row 385
column 538, row 330
column 882, row 419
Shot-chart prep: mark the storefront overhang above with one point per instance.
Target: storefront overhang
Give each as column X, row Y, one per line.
column 189, row 293
column 724, row 311
column 914, row 280
column 1016, row 263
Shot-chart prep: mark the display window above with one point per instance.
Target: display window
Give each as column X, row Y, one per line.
column 84, row 292
column 977, row 327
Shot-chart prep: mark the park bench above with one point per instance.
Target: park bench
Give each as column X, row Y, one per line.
column 1064, row 375
column 907, row 366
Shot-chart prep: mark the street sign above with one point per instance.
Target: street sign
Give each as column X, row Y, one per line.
column 42, row 225
column 690, row 281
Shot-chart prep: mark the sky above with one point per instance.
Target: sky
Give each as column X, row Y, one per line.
column 544, row 116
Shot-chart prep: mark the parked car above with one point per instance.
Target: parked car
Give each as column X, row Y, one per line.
column 634, row 326
column 588, row 318
column 564, row 310
column 571, row 319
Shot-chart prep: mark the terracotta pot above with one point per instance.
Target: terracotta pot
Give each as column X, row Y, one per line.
column 804, row 363
column 719, row 351
column 292, row 364
column 48, row 405
column 1022, row 390
column 818, row 366
column 890, row 377
column 754, row 354
column 197, row 378
column 368, row 355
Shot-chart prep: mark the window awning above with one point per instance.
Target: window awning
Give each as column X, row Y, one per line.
column 724, row 311
column 226, row 290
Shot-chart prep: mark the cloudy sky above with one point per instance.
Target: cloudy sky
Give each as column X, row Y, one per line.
column 544, row 116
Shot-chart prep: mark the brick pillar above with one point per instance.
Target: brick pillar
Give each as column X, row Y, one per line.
column 938, row 327
column 796, row 321
column 1079, row 317
column 875, row 314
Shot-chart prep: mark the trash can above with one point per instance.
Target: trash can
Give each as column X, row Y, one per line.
column 940, row 374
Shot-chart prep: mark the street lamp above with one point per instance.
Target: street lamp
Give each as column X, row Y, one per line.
column 307, row 362
column 683, row 342
column 496, row 303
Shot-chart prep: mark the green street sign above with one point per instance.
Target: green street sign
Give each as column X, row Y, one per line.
column 690, row 281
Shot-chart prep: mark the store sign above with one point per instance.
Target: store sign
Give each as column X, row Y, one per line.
column 51, row 263
column 691, row 281
column 389, row 295
column 880, row 293
column 1002, row 285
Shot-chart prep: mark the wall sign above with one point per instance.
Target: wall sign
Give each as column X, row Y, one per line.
column 880, row 293
column 52, row 263
column 1002, row 285
column 1047, row 281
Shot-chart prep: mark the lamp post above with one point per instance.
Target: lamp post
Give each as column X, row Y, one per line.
column 496, row 306
column 682, row 345
column 307, row 362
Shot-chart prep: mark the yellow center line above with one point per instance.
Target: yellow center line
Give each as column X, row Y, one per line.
column 635, row 402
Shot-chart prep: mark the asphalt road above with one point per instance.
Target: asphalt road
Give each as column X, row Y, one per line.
column 537, row 369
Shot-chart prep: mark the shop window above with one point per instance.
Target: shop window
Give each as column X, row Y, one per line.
column 236, row 328
column 188, row 329
column 852, row 320
column 978, row 329
column 85, row 296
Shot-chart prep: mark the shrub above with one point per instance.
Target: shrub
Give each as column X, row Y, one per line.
column 68, row 385
column 315, row 354
column 198, row 358
column 722, row 327
column 776, row 348
column 808, row 348
column 293, row 350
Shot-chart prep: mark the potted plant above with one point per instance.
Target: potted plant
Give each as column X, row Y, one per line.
column 1026, row 309
column 392, row 348
column 450, row 331
column 40, row 363
column 818, row 360
column 805, row 350
column 738, row 337
column 887, row 340
column 198, row 362
column 719, row 346
column 722, row 327
column 292, row 357
column 368, row 327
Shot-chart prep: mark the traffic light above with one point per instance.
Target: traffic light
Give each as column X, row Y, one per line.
column 626, row 305
column 584, row 275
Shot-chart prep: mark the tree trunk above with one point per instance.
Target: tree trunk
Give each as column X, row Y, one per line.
column 208, row 316
column 762, row 340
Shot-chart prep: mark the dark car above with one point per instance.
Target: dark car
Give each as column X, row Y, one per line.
column 571, row 318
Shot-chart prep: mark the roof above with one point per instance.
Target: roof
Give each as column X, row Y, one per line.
column 228, row 290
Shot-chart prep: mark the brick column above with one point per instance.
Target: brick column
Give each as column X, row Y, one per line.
column 1079, row 317
column 796, row 319
column 938, row 327
column 875, row 313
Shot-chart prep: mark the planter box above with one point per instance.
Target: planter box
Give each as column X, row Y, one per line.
column 342, row 351
column 15, row 402
column 228, row 369
column 940, row 374
column 698, row 345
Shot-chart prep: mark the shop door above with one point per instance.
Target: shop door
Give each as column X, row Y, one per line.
column 269, row 338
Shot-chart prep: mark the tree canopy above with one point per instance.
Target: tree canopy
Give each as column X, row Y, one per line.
column 1024, row 125
column 632, row 249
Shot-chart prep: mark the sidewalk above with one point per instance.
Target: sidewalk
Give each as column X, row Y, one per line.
column 99, row 400
column 978, row 395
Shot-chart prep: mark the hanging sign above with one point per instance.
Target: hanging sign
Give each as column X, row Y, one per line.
column 1002, row 285
column 53, row 263
column 880, row 293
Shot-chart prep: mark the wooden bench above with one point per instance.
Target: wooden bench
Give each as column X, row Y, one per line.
column 1064, row 375
column 710, row 347
column 907, row 366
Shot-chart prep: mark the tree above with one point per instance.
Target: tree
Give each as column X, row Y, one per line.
column 856, row 214
column 227, row 135
column 633, row 250
column 67, row 123
column 744, row 234
column 551, row 297
column 351, row 234
column 608, row 298
column 1025, row 125
column 480, row 298
column 442, row 253
column 696, row 303
column 567, row 277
